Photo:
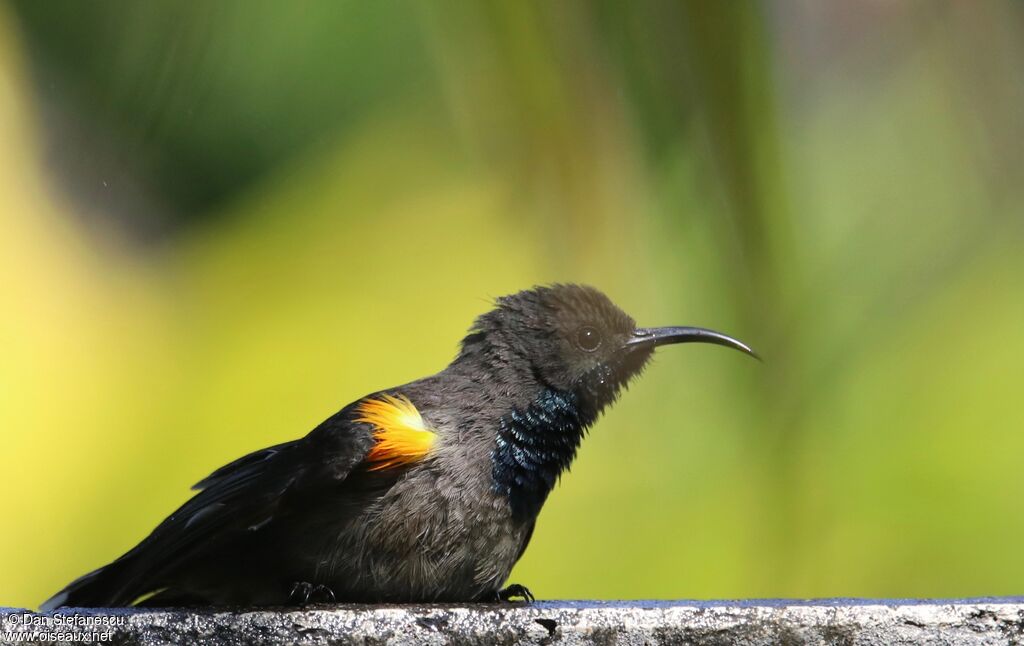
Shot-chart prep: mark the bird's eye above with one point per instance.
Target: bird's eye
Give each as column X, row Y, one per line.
column 588, row 338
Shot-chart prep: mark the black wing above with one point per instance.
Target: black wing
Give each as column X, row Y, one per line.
column 240, row 497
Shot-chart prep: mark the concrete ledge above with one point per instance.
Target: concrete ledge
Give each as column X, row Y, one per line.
column 828, row 621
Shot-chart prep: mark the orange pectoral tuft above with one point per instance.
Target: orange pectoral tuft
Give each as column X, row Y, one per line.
column 402, row 435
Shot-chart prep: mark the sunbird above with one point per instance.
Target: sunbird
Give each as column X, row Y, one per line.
column 425, row 492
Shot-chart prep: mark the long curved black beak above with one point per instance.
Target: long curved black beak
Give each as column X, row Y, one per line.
column 655, row 336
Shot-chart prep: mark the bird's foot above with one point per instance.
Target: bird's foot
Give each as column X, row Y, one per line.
column 304, row 593
column 514, row 591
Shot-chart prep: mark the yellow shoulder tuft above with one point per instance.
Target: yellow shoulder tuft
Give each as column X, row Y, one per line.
column 401, row 434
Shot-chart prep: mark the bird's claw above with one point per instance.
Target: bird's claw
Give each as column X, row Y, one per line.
column 514, row 590
column 304, row 592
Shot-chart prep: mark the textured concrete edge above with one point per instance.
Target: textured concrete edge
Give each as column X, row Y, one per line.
column 997, row 620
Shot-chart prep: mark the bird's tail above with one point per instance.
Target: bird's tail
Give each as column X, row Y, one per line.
column 107, row 587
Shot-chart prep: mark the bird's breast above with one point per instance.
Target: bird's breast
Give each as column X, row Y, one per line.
column 533, row 446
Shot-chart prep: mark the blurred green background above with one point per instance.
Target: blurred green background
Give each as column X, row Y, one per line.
column 222, row 221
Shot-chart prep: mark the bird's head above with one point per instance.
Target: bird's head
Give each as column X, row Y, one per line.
column 572, row 338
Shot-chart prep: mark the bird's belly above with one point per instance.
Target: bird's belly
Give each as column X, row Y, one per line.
column 426, row 540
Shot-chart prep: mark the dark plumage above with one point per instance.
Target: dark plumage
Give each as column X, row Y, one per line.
column 424, row 492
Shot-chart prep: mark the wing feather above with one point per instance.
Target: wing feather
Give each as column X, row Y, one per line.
column 243, row 496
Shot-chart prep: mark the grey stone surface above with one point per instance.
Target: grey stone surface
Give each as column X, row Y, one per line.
column 829, row 621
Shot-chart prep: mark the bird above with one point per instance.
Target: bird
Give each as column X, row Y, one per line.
column 424, row 492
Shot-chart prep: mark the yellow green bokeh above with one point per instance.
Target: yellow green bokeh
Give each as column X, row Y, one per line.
column 841, row 190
